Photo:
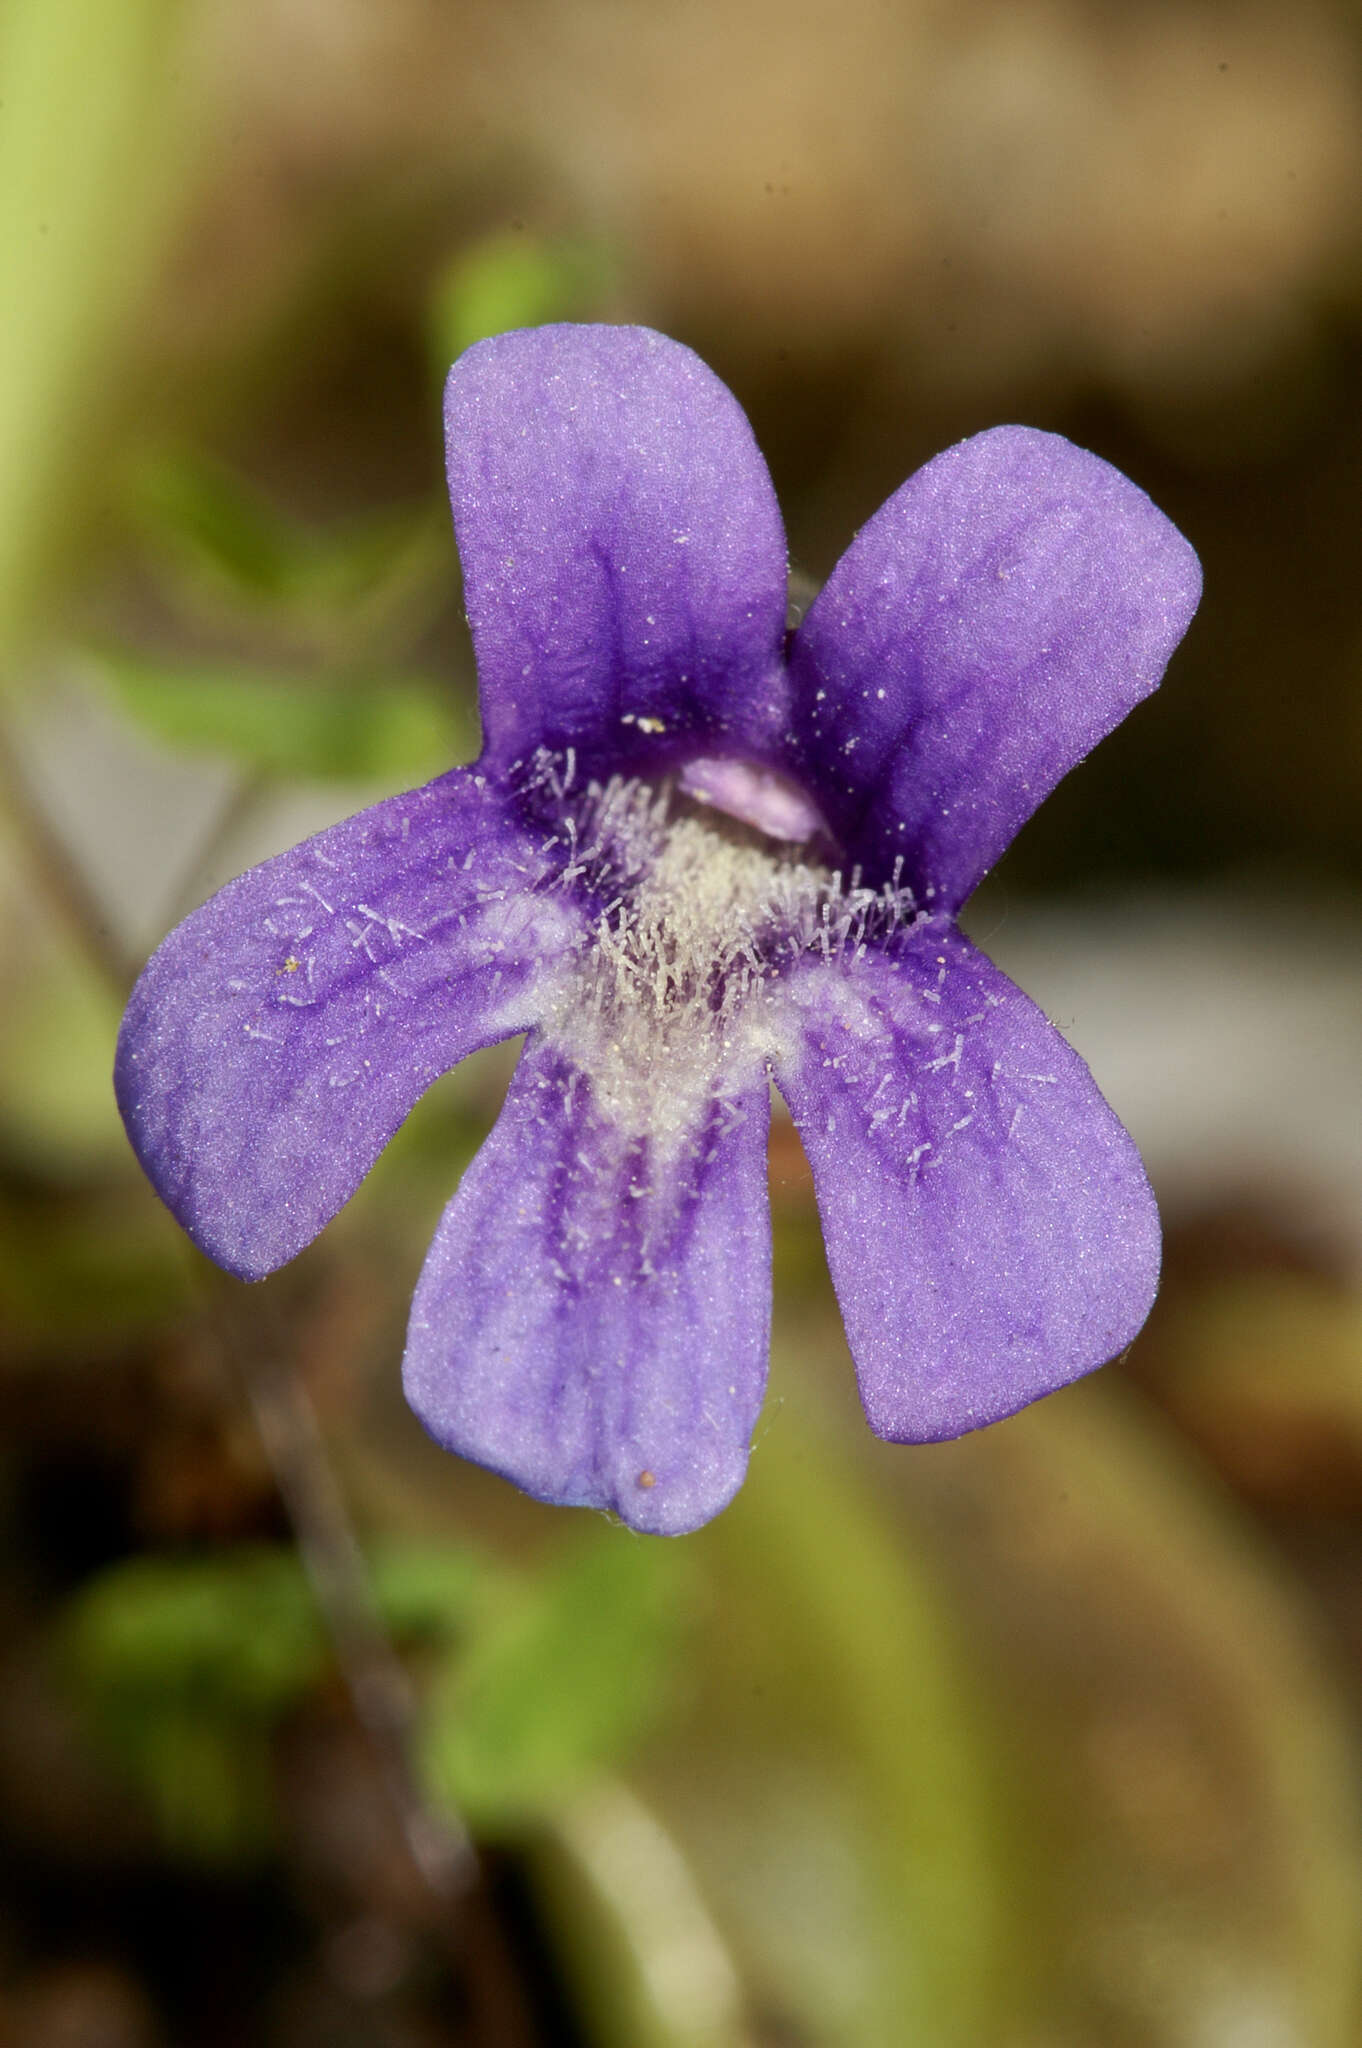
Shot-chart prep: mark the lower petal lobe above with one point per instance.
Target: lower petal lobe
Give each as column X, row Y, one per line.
column 989, row 1227
column 593, row 1317
column 280, row 1035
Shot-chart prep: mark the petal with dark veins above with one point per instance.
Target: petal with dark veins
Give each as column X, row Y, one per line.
column 623, row 553
column 593, row 1316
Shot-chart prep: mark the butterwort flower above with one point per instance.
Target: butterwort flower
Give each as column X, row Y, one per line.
column 697, row 853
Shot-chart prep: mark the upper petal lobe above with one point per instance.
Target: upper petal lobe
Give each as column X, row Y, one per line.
column 623, row 554
column 998, row 615
column 990, row 1231
column 279, row 1036
column 593, row 1317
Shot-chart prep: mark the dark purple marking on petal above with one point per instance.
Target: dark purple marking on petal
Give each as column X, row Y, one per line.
column 999, row 614
column 623, row 555
column 280, row 1035
column 593, row 1317
column 990, row 1230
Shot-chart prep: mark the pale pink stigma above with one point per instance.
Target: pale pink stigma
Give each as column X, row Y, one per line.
column 759, row 796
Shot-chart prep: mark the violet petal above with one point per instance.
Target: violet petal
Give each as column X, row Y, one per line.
column 990, row 1231
column 1001, row 612
column 593, row 1316
column 279, row 1036
column 623, row 554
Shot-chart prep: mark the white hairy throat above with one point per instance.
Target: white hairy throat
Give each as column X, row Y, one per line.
column 672, row 1001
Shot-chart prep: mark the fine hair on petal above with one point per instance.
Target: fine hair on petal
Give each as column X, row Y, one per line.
column 666, row 1002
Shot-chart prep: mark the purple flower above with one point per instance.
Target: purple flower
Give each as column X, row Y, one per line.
column 696, row 854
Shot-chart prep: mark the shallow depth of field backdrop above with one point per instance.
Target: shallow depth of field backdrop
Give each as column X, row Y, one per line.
column 1046, row 1739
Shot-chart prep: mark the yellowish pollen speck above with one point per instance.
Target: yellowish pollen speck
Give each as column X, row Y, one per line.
column 291, row 965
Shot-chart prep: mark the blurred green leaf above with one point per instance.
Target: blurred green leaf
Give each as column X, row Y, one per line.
column 224, row 540
column 184, row 1665
column 513, row 279
column 216, row 523
column 436, row 1593
column 88, row 189
column 561, row 1685
column 395, row 730
column 238, row 1633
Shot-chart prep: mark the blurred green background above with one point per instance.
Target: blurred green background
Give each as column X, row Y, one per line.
column 1045, row 1739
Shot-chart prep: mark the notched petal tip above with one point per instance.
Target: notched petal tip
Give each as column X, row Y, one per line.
column 656, row 1506
column 660, row 1477
column 674, row 1496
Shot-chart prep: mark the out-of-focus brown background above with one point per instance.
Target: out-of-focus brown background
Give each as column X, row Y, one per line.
column 1047, row 1739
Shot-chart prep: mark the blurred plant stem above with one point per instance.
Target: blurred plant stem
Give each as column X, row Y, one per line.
column 242, row 803
column 375, row 1677
column 260, row 1347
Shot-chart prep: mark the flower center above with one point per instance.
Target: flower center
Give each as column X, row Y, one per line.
column 700, row 917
